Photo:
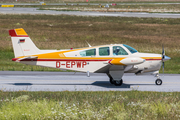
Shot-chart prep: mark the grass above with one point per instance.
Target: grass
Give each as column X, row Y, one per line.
column 89, row 105
column 63, row 32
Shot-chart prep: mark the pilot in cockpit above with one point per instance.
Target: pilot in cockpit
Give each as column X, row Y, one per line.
column 116, row 50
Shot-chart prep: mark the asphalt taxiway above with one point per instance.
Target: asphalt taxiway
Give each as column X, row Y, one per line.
column 35, row 11
column 70, row 81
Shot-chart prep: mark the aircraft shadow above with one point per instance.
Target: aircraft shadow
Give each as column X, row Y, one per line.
column 108, row 85
column 20, row 83
column 104, row 84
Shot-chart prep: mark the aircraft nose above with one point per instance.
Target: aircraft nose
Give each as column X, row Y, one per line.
column 166, row 58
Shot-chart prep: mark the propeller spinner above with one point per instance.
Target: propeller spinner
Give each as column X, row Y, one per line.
column 164, row 58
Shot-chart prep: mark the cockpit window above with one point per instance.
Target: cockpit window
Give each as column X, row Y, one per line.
column 132, row 50
column 104, row 51
column 117, row 50
column 91, row 52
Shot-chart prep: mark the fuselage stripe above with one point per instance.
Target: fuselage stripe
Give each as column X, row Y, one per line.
column 14, row 59
column 63, row 60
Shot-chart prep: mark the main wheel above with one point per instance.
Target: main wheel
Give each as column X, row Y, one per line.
column 118, row 82
column 111, row 80
column 158, row 82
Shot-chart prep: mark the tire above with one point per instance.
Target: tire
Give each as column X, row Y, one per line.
column 158, row 82
column 118, row 83
column 111, row 80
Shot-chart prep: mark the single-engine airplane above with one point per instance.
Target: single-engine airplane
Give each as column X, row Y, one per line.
column 114, row 59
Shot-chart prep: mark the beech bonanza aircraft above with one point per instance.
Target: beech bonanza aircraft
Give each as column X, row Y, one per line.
column 114, row 59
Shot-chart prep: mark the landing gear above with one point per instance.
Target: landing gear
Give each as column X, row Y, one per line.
column 111, row 80
column 116, row 82
column 115, row 76
column 158, row 81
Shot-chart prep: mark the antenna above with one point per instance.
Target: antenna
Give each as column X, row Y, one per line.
column 88, row 44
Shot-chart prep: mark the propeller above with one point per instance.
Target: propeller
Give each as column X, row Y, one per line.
column 163, row 56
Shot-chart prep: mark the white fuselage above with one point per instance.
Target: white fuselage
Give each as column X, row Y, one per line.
column 73, row 60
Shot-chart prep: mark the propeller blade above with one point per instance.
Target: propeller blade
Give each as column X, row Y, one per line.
column 163, row 67
column 163, row 57
column 163, row 52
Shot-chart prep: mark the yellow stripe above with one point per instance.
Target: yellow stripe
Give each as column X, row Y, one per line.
column 7, row 5
column 151, row 58
column 59, row 54
column 116, row 61
column 62, row 55
column 20, row 31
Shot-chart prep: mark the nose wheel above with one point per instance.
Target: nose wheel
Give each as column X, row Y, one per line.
column 158, row 80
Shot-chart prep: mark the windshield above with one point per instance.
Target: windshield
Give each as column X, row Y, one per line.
column 132, row 50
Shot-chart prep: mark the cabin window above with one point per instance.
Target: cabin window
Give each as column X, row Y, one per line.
column 104, row 51
column 117, row 50
column 91, row 52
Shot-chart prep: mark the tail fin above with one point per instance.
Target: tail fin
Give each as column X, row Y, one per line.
column 22, row 44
